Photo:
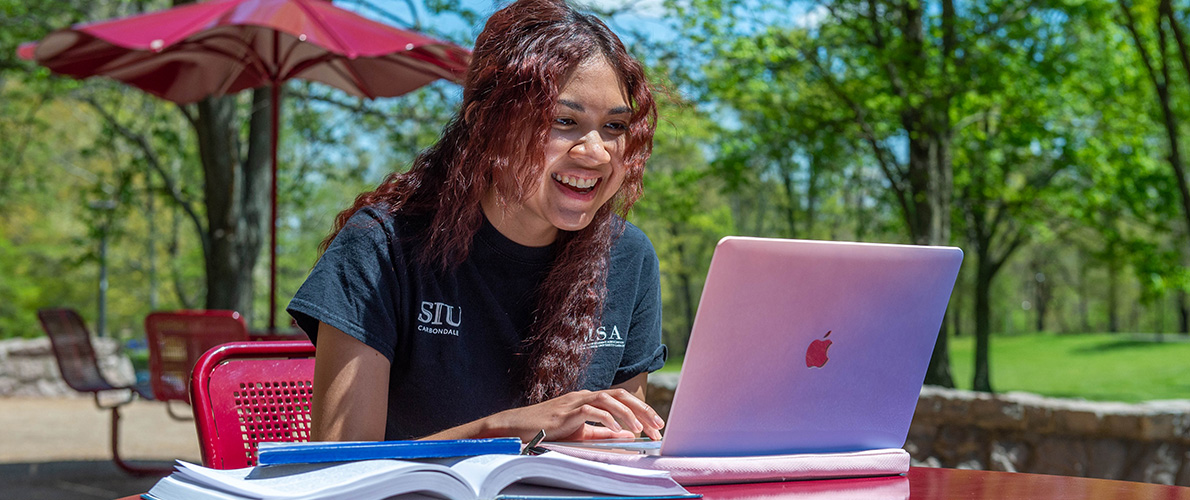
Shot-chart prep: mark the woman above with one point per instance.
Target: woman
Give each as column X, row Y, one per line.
column 476, row 294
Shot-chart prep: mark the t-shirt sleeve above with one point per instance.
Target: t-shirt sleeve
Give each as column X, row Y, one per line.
column 643, row 351
column 353, row 285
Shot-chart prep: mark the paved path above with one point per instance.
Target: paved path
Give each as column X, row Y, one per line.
column 58, row 448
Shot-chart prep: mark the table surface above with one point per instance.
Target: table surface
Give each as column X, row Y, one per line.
column 924, row 483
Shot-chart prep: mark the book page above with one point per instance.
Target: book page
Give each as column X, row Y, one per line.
column 351, row 479
column 493, row 473
column 173, row 487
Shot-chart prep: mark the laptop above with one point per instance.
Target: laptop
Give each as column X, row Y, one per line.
column 807, row 347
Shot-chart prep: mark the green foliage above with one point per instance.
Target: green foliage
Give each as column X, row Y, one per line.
column 682, row 213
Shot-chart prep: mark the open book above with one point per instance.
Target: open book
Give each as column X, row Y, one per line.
column 483, row 477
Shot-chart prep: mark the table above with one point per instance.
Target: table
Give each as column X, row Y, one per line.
column 925, row 483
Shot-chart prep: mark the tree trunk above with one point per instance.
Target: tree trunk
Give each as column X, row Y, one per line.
column 1084, row 308
column 1113, row 293
column 857, row 203
column 930, row 174
column 1183, row 313
column 1041, row 295
column 983, row 313
column 812, row 196
column 791, row 202
column 151, row 247
column 686, row 288
column 237, row 198
column 185, row 295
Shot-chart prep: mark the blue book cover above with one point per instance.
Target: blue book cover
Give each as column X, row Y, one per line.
column 346, row 451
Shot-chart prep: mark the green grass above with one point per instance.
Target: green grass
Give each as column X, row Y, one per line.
column 1098, row 367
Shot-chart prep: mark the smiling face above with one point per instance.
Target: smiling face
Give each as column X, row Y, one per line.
column 583, row 160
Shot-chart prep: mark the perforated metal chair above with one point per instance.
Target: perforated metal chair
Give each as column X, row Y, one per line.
column 251, row 392
column 75, row 354
column 176, row 339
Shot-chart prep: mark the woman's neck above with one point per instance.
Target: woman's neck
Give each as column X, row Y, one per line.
column 516, row 224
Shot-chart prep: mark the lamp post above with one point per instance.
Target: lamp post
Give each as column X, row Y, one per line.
column 105, row 208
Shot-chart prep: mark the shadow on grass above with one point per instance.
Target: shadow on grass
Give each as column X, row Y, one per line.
column 1122, row 344
column 73, row 480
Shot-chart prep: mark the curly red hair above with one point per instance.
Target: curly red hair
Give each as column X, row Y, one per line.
column 521, row 61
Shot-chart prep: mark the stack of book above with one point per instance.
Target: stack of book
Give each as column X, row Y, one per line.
column 438, row 469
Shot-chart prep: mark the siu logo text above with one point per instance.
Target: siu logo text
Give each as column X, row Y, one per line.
column 439, row 318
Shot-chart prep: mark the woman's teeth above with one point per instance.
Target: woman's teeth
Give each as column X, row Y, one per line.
column 576, row 182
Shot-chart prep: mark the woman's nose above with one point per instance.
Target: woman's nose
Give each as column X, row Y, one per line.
column 590, row 150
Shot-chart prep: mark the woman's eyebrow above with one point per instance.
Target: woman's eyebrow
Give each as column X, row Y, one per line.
column 618, row 110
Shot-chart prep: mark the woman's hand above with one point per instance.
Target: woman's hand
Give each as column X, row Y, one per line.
column 570, row 417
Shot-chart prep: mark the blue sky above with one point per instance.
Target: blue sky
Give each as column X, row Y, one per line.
column 643, row 16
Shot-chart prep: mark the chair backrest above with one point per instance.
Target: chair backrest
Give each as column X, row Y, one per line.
column 71, row 343
column 246, row 393
column 177, row 338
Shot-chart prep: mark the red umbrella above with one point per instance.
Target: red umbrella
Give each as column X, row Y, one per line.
column 219, row 47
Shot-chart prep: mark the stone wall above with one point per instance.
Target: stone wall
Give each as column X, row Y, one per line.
column 28, row 368
column 1020, row 432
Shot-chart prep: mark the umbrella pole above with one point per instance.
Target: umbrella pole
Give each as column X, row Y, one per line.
column 275, row 111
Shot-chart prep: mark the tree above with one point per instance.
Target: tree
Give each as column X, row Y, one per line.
column 209, row 161
column 1165, row 24
column 896, row 69
column 682, row 211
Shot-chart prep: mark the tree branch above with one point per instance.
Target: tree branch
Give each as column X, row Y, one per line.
column 1140, row 43
column 892, row 172
column 1011, row 14
column 188, row 113
column 18, row 156
column 150, row 156
column 894, row 76
column 1018, row 240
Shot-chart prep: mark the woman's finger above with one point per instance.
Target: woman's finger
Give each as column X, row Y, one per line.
column 643, row 413
column 592, row 413
column 590, row 432
column 619, row 409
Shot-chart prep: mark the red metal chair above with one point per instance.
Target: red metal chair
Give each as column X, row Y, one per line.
column 250, row 392
column 71, row 343
column 176, row 339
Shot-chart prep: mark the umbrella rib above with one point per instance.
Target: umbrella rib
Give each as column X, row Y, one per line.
column 427, row 66
column 350, row 74
column 314, row 15
column 250, row 56
column 354, row 76
column 184, row 46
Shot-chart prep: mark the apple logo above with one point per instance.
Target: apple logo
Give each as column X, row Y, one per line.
column 816, row 353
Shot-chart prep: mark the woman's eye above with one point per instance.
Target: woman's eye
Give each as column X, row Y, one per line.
column 618, row 126
column 563, row 122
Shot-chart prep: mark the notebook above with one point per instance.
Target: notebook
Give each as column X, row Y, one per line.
column 807, row 347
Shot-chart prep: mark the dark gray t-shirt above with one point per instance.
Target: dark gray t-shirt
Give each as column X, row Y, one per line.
column 453, row 337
